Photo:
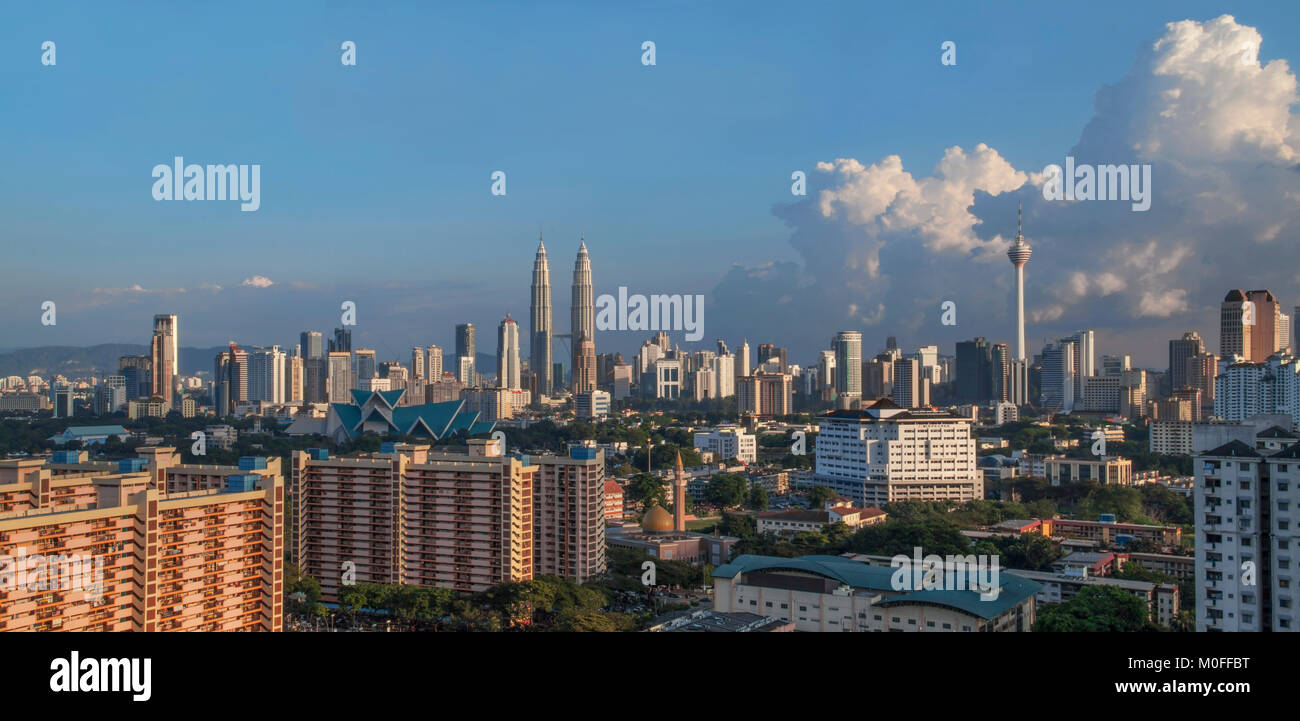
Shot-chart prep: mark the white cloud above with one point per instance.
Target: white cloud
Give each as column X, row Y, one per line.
column 257, row 281
column 1217, row 127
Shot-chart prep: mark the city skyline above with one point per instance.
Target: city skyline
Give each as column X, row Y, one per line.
column 774, row 267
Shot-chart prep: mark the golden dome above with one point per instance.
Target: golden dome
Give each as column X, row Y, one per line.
column 656, row 519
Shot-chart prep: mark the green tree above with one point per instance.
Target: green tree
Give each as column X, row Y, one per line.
column 1093, row 609
column 758, row 497
column 727, row 490
column 646, row 489
column 819, row 495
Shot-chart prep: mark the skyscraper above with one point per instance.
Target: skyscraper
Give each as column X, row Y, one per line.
column 508, row 353
column 584, row 367
column 165, row 356
column 340, row 377
column 583, row 322
column 342, row 342
column 1058, row 377
column 1084, row 359
column 1236, row 324
column 1266, row 337
column 744, row 365
column 1189, row 346
column 465, row 348
column 1019, row 253
column 540, row 326
column 974, row 371
column 366, row 368
column 847, row 346
column 313, row 366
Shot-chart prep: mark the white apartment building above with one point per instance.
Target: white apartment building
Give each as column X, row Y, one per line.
column 724, row 375
column 726, row 442
column 1246, row 546
column 266, row 374
column 884, row 453
column 1246, row 389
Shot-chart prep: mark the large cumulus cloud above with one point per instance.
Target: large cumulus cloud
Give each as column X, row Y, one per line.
column 882, row 246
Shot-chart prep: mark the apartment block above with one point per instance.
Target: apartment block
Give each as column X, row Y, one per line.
column 1245, row 498
column 406, row 515
column 135, row 558
column 569, row 513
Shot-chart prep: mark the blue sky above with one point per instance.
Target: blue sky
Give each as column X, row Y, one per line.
column 375, row 178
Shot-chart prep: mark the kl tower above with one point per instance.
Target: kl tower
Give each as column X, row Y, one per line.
column 1019, row 253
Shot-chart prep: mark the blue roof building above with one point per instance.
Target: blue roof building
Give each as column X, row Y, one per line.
column 379, row 412
column 89, row 435
column 834, row 593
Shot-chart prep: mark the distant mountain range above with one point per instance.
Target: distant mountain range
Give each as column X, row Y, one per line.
column 73, row 361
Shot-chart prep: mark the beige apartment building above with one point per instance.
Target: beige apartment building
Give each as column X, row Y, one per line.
column 569, row 513
column 114, row 551
column 407, row 515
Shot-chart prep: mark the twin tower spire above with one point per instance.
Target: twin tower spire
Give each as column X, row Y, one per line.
column 582, row 325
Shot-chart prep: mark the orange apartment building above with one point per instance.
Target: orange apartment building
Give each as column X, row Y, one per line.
column 405, row 515
column 206, row 559
column 569, row 513
column 613, row 501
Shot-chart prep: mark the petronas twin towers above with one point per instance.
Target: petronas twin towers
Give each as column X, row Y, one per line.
column 541, row 329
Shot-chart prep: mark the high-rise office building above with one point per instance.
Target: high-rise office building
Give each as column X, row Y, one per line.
column 1180, row 351
column 342, row 342
column 847, row 347
column 1236, row 322
column 230, row 380
column 768, row 351
column 366, row 367
column 1295, row 329
column 540, row 323
column 583, row 317
column 340, row 381
column 467, row 348
column 1266, row 337
column 744, row 364
column 138, row 372
column 584, row 367
column 1115, row 365
column 826, row 381
column 974, row 371
column 1057, row 392
column 911, row 388
column 314, row 370
column 999, row 371
column 508, row 354
column 165, row 356
column 1018, row 382
column 1084, row 358
column 1018, row 254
